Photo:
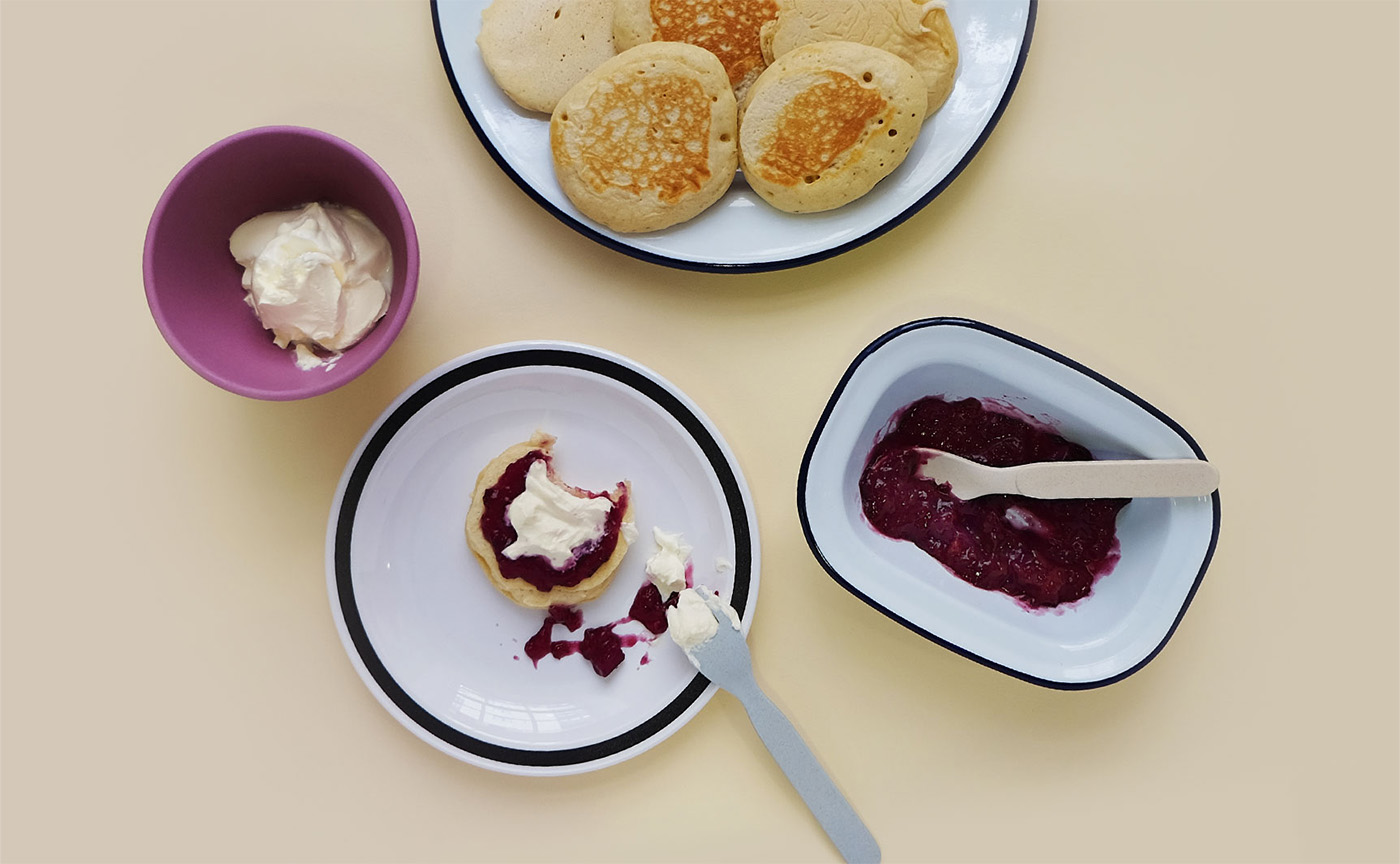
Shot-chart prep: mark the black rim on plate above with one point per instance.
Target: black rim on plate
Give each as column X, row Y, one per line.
column 374, row 449
column 1060, row 358
column 757, row 266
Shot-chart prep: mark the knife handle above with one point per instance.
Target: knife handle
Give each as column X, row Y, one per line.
column 838, row 819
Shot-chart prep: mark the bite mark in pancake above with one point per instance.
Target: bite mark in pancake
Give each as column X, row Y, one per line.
column 823, row 121
column 529, row 580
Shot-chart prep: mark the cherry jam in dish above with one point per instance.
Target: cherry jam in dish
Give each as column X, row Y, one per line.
column 1042, row 552
column 535, row 569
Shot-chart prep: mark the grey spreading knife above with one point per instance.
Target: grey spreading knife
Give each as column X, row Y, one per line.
column 724, row 659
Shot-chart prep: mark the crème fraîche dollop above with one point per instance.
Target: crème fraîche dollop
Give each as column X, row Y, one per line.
column 319, row 277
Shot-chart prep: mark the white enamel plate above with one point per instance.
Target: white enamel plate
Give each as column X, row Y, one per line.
column 1165, row 543
column 741, row 232
column 440, row 648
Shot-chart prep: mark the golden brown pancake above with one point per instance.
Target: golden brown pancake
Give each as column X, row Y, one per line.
column 648, row 139
column 537, row 49
column 828, row 121
column 726, row 28
column 520, row 590
column 917, row 30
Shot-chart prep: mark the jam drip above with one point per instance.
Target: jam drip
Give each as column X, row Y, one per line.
column 1042, row 552
column 535, row 569
column 649, row 610
column 601, row 646
column 542, row 644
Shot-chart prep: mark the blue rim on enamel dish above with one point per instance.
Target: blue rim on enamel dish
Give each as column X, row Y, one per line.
column 930, row 351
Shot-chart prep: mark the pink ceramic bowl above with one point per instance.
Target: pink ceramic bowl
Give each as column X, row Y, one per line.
column 193, row 285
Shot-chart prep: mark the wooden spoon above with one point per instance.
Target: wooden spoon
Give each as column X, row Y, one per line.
column 1110, row 478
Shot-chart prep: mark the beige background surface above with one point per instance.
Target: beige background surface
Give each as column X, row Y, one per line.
column 1197, row 199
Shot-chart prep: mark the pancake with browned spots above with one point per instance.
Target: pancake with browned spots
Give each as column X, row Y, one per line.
column 648, row 139
column 826, row 122
column 917, row 30
column 729, row 29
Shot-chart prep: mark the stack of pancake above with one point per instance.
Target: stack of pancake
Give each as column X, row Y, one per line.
column 656, row 104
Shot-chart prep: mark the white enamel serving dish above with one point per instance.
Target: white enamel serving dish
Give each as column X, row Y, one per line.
column 1166, row 544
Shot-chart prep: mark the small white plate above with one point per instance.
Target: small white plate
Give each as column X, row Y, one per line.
column 438, row 645
column 741, row 232
column 1166, row 544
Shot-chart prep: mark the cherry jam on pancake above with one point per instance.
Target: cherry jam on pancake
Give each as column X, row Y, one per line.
column 536, row 569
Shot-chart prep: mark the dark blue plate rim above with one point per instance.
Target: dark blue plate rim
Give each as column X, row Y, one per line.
column 835, row 574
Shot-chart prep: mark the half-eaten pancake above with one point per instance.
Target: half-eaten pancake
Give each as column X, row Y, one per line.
column 917, row 30
column 537, row 49
column 826, row 122
column 649, row 139
column 726, row 28
column 590, row 568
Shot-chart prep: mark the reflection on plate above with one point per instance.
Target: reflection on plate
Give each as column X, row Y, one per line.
column 436, row 643
column 743, row 233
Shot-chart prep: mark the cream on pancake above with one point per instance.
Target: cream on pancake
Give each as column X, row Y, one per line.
column 519, row 590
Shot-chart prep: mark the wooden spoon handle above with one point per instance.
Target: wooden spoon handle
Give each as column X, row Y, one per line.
column 1118, row 478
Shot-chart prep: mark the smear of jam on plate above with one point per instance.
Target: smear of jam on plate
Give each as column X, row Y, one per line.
column 1042, row 552
column 601, row 646
column 649, row 610
column 536, row 569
